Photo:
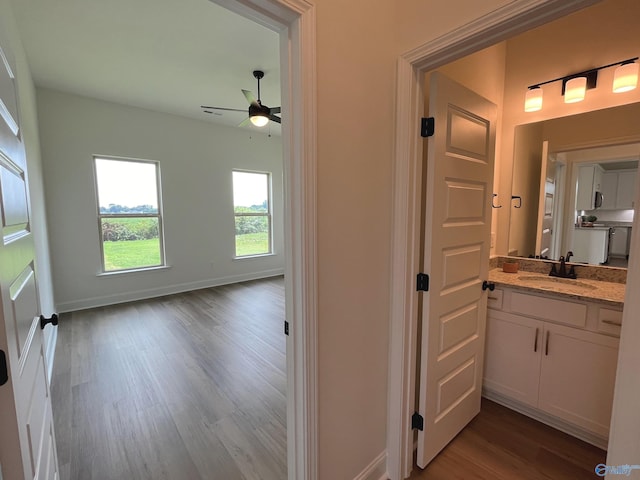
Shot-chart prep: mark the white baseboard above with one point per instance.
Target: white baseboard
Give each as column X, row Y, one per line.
column 547, row 419
column 376, row 470
column 101, row 301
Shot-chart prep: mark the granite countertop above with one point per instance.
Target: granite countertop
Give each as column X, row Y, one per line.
column 584, row 289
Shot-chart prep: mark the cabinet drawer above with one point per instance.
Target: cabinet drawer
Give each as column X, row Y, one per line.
column 494, row 299
column 609, row 321
column 559, row 311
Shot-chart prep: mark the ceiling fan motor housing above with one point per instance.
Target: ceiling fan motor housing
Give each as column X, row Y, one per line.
column 259, row 110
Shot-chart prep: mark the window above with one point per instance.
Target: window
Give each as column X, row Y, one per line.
column 129, row 214
column 252, row 209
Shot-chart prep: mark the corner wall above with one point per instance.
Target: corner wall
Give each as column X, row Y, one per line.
column 196, row 160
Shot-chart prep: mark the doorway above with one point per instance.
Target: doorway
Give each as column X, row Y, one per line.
column 408, row 157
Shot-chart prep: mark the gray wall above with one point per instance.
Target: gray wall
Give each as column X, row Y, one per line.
column 196, row 160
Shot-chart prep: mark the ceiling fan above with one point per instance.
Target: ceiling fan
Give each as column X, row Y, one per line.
column 259, row 114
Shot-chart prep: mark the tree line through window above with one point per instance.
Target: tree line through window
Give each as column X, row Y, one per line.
column 252, row 210
column 130, row 216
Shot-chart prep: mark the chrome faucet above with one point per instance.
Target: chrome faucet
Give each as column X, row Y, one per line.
column 562, row 272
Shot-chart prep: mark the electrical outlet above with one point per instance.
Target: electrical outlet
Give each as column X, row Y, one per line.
column 493, row 239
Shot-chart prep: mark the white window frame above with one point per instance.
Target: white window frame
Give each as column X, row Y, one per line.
column 102, row 216
column 268, row 214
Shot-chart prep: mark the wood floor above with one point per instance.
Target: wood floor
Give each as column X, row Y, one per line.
column 193, row 386
column 188, row 386
column 500, row 444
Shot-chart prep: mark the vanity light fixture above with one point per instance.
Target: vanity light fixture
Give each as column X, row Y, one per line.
column 574, row 86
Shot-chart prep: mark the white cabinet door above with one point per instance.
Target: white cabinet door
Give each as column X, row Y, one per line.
column 626, row 190
column 584, row 195
column 512, row 356
column 577, row 377
column 609, row 190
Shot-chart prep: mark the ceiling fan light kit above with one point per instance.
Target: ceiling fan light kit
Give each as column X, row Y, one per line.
column 259, row 114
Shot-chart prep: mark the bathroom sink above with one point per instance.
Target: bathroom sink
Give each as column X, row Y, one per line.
column 562, row 284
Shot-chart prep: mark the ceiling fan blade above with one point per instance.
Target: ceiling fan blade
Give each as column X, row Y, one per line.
column 250, row 98
column 275, row 110
column 245, row 122
column 205, row 107
column 273, row 118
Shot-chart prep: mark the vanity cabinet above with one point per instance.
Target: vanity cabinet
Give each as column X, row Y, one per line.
column 554, row 360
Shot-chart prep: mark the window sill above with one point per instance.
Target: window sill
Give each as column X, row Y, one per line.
column 133, row 270
column 260, row 255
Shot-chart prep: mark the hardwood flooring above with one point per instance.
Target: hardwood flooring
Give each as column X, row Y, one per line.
column 193, row 386
column 188, row 386
column 500, row 444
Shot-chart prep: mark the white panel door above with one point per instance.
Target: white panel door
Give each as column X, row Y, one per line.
column 458, row 228
column 546, row 208
column 27, row 444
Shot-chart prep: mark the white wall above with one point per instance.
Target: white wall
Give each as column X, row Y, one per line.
column 196, row 160
column 599, row 35
column 28, row 120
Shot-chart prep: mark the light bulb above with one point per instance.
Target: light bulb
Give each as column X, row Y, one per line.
column 533, row 100
column 259, row 120
column 575, row 89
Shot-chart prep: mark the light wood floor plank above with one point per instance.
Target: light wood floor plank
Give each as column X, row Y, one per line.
column 500, row 444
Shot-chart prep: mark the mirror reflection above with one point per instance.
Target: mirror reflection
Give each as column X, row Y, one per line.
column 573, row 187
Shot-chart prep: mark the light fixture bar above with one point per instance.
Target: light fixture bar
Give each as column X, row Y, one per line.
column 585, row 73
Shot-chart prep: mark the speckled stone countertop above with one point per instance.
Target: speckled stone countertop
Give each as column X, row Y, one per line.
column 601, row 288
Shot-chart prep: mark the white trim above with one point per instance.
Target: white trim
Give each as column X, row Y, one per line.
column 50, row 350
column 133, row 295
column 376, row 470
column 496, row 26
column 296, row 22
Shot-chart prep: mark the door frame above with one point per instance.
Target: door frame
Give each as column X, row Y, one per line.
column 294, row 21
column 502, row 23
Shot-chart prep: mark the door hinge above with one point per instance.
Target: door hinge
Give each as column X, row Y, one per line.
column 422, row 283
column 488, row 285
column 427, row 127
column 4, row 370
column 417, row 421
column 286, row 327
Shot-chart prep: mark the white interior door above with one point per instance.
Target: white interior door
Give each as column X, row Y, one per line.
column 458, row 230
column 546, row 208
column 27, row 445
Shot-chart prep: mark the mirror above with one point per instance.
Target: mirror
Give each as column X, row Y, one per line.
column 547, row 159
